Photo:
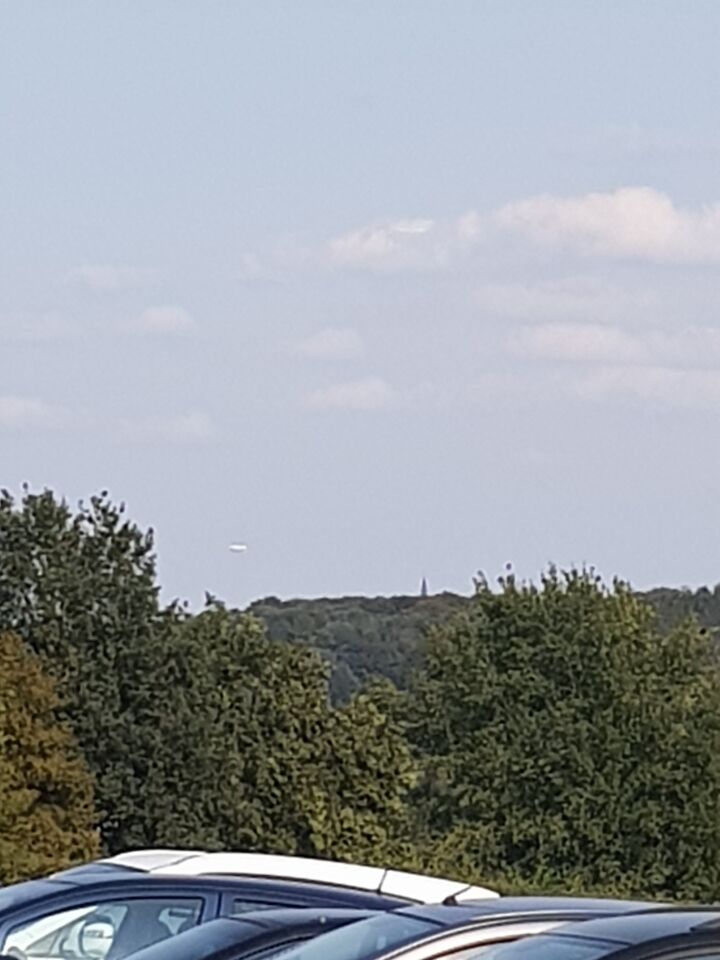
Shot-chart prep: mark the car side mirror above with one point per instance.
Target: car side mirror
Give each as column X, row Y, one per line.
column 96, row 937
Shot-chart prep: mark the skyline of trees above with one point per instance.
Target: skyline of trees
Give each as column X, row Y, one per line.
column 558, row 735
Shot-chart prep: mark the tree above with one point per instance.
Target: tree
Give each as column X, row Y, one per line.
column 79, row 588
column 47, row 817
column 199, row 730
column 264, row 762
column 567, row 742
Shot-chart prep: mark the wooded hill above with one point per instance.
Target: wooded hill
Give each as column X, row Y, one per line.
column 366, row 637
column 546, row 736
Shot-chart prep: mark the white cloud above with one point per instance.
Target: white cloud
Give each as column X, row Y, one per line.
column 631, row 222
column 18, row 413
column 367, row 395
column 655, row 386
column 110, row 277
column 164, row 320
column 626, row 223
column 394, row 244
column 410, row 244
column 578, row 342
column 602, row 343
column 332, row 343
column 188, row 428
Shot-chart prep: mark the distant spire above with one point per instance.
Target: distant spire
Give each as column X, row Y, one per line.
column 424, row 588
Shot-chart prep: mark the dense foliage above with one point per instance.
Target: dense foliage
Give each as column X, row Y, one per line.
column 360, row 637
column 198, row 730
column 263, row 761
column 47, row 818
column 363, row 638
column 566, row 742
column 564, row 736
column 79, row 588
column 674, row 606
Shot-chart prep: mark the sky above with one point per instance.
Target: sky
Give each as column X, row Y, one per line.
column 382, row 289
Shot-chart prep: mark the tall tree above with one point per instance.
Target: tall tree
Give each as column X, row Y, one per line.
column 568, row 742
column 79, row 588
column 264, row 762
column 47, row 817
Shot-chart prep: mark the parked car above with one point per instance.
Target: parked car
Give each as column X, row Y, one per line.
column 410, row 887
column 258, row 935
column 130, row 895
column 454, row 931
column 671, row 934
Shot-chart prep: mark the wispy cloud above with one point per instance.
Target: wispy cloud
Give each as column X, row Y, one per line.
column 369, row 395
column 110, row 277
column 190, row 428
column 21, row 413
column 163, row 320
column 601, row 343
column 409, row 244
column 393, row 243
column 654, row 386
column 332, row 343
column 632, row 222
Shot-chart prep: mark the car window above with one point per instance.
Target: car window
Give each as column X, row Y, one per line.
column 239, row 906
column 277, row 950
column 364, row 939
column 545, row 947
column 103, row 931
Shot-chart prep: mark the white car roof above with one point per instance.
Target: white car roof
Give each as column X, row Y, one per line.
column 395, row 883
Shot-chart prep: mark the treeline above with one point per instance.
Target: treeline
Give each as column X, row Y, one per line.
column 362, row 638
column 557, row 736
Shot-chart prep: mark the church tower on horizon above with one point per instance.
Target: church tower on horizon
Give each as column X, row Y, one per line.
column 424, row 588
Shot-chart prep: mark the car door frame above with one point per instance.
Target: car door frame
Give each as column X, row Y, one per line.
column 79, row 897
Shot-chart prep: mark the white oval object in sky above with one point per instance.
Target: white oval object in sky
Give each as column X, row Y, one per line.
column 238, row 547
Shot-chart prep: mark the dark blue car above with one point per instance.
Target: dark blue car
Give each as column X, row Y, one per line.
column 451, row 931
column 86, row 912
column 670, row 934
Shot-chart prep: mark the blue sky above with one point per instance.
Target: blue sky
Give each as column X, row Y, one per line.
column 383, row 289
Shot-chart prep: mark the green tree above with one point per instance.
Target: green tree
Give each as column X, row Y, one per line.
column 264, row 762
column 567, row 742
column 47, row 818
column 199, row 730
column 79, row 588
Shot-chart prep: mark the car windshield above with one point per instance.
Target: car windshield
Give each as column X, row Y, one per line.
column 546, row 947
column 207, row 940
column 364, row 940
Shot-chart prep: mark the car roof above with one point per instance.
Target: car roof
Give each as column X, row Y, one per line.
column 112, row 879
column 453, row 914
column 395, row 883
column 635, row 928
